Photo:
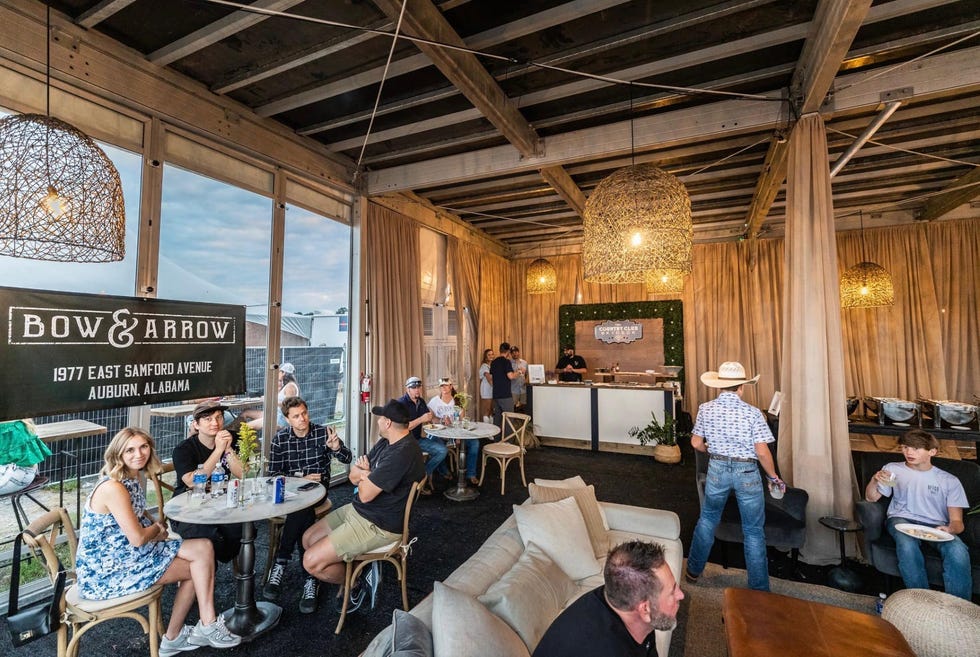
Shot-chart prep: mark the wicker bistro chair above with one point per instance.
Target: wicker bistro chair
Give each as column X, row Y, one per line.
column 515, row 428
column 160, row 484
column 82, row 615
column 395, row 553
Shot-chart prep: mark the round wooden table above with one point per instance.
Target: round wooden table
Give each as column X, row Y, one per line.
column 466, row 431
column 248, row 618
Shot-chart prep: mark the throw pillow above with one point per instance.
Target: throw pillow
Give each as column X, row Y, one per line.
column 571, row 482
column 462, row 627
column 530, row 595
column 587, row 504
column 559, row 530
column 410, row 637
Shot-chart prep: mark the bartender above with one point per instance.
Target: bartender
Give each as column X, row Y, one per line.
column 571, row 366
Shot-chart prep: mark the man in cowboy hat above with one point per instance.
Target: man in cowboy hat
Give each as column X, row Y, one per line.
column 734, row 434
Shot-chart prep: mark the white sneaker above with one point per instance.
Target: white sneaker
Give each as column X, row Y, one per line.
column 170, row 647
column 215, row 635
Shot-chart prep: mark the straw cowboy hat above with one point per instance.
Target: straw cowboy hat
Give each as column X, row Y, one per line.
column 729, row 375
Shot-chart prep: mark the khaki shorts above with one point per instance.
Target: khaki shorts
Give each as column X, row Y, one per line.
column 351, row 534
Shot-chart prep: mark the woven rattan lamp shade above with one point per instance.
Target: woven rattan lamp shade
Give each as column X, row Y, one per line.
column 866, row 285
column 665, row 281
column 637, row 220
column 541, row 277
column 60, row 195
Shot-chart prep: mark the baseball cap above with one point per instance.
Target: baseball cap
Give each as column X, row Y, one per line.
column 207, row 408
column 394, row 410
column 413, row 381
column 446, row 381
column 288, row 368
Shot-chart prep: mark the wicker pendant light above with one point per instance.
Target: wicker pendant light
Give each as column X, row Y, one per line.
column 541, row 277
column 637, row 220
column 866, row 284
column 665, row 281
column 60, row 195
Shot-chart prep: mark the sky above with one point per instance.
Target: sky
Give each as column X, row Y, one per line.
column 214, row 246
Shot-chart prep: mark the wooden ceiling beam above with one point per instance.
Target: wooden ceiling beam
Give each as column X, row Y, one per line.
column 960, row 191
column 423, row 19
column 220, row 29
column 834, row 26
column 101, row 11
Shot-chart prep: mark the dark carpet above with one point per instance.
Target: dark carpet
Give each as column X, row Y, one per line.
column 448, row 533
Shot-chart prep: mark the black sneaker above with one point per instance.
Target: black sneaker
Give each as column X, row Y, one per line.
column 357, row 598
column 311, row 588
column 372, row 579
column 274, row 586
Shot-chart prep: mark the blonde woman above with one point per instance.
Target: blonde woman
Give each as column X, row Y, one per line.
column 121, row 550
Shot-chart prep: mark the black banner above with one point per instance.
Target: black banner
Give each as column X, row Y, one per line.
column 64, row 352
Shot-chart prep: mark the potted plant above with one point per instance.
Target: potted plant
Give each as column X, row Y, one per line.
column 662, row 436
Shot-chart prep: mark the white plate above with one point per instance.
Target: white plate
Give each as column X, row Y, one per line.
column 900, row 424
column 923, row 532
column 959, row 427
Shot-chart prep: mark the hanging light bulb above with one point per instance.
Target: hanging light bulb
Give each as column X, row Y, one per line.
column 55, row 204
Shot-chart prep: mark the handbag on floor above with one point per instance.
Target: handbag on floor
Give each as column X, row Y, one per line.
column 38, row 620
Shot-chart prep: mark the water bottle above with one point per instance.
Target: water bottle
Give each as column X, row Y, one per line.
column 200, row 481
column 218, row 481
column 880, row 603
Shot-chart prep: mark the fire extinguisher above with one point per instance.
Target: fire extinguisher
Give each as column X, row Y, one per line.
column 365, row 388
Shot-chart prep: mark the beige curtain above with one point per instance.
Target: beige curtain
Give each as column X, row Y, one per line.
column 464, row 277
column 394, row 301
column 814, row 446
column 493, row 325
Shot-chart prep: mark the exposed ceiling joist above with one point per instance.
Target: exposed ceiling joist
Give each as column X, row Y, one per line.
column 835, row 24
column 220, row 29
column 962, row 190
column 102, row 11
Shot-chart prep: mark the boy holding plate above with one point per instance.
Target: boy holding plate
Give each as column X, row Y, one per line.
column 923, row 494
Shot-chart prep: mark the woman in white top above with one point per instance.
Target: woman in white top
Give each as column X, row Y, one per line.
column 486, row 385
column 443, row 406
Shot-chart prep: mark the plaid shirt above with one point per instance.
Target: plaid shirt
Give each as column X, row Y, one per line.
column 310, row 454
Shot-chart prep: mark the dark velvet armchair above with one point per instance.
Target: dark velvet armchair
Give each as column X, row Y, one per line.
column 879, row 544
column 785, row 519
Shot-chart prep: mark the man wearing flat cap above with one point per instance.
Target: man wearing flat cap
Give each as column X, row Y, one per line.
column 735, row 436
column 212, row 446
column 375, row 517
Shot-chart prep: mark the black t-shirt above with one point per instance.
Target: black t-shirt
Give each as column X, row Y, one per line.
column 500, row 367
column 416, row 409
column 576, row 361
column 188, row 454
column 590, row 628
column 394, row 468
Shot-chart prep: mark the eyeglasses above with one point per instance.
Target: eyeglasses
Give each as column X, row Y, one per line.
column 414, row 385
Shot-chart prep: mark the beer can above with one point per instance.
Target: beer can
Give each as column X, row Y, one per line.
column 231, row 499
column 279, row 490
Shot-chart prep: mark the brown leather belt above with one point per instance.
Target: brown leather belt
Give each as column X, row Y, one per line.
column 736, row 459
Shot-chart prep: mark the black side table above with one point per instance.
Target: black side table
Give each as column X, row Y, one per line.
column 841, row 577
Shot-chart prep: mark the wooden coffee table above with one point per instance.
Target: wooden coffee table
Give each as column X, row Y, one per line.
column 759, row 623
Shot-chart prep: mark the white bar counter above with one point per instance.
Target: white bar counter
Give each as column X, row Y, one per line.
column 596, row 416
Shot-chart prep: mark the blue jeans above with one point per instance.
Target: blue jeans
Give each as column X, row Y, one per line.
column 744, row 479
column 957, row 578
column 472, row 456
column 436, row 449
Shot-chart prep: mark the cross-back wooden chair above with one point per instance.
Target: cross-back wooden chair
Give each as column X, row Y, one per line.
column 79, row 615
column 503, row 452
column 395, row 553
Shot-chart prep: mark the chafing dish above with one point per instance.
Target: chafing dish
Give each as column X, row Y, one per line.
column 852, row 404
column 944, row 413
column 891, row 410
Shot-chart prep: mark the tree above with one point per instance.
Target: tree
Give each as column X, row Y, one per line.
column 342, row 311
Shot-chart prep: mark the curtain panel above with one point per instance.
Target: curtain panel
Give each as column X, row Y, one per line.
column 464, row 277
column 394, row 301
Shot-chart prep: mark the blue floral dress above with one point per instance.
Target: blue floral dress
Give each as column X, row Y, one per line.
column 106, row 564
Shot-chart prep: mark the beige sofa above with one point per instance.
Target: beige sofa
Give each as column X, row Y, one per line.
column 502, row 550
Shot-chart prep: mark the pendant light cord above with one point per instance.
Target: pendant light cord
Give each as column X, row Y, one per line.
column 632, row 139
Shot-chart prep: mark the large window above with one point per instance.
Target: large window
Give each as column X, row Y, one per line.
column 440, row 325
column 214, row 246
